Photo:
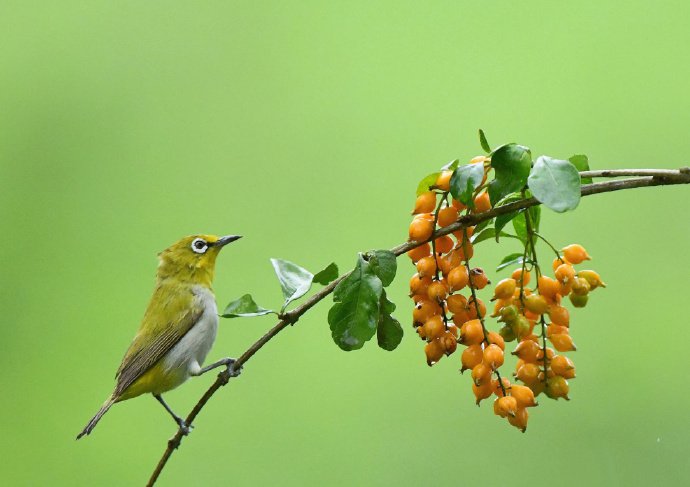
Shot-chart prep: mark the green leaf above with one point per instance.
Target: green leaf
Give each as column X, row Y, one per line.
column 465, row 180
column 535, row 217
column 487, row 234
column 355, row 315
column 426, row 183
column 325, row 276
column 389, row 333
column 483, row 225
column 244, row 307
column 294, row 280
column 581, row 162
column 451, row 165
column 509, row 260
column 384, row 264
column 503, row 220
column 511, row 163
column 555, row 183
column 484, row 143
column 520, row 226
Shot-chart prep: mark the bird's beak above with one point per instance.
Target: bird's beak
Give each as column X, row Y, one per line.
column 223, row 241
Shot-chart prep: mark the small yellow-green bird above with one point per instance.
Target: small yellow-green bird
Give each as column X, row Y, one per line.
column 178, row 329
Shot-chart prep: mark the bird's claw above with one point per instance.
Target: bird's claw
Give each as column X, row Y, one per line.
column 232, row 370
column 185, row 429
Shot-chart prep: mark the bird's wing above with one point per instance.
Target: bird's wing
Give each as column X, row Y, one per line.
column 165, row 322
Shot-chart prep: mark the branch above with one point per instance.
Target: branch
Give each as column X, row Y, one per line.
column 646, row 177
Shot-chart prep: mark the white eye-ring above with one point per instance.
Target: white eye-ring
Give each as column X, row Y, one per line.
column 199, row 245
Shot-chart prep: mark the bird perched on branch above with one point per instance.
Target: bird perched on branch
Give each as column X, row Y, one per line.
column 178, row 328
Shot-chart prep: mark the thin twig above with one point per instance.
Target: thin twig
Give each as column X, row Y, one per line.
column 649, row 177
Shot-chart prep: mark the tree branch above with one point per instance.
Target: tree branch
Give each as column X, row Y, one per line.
column 645, row 178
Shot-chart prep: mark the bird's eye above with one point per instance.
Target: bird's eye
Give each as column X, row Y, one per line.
column 199, row 245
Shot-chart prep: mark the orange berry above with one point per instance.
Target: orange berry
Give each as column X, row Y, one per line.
column 437, row 290
column 505, row 289
column 443, row 180
column 434, row 351
column 505, row 406
column 517, row 275
column 528, row 373
column 557, row 262
column 555, row 330
column 565, row 273
column 482, row 392
column 447, row 216
column 421, row 229
column 565, row 288
column 419, row 284
column 471, row 332
column 496, row 339
column 519, row 420
column 425, row 203
column 559, row 315
column 493, row 356
column 458, row 278
column 478, row 159
column 458, row 206
column 420, row 332
column 580, row 286
column 464, row 235
column 482, row 202
column 548, row 288
column 575, row 254
column 465, row 251
column 434, row 327
column 563, row 366
column 426, row 266
column 449, row 342
column 523, row 395
column 549, row 355
column 536, row 303
column 462, row 317
column 481, row 374
column 471, row 357
column 562, row 342
column 592, row 278
column 419, row 252
column 497, row 387
column 478, row 278
column 557, row 387
column 527, row 350
column 424, row 310
column 472, row 308
column 456, row 303
column 443, row 244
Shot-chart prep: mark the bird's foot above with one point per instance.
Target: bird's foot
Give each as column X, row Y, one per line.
column 185, row 429
column 233, row 370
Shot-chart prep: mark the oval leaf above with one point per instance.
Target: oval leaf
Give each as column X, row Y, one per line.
column 426, row 183
column 465, row 180
column 244, row 307
column 384, row 264
column 555, row 183
column 508, row 260
column 483, row 142
column 327, row 275
column 511, row 163
column 355, row 315
column 389, row 333
column 581, row 162
column 295, row 281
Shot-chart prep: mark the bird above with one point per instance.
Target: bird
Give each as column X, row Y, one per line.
column 178, row 327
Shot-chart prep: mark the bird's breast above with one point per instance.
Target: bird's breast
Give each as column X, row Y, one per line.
column 187, row 356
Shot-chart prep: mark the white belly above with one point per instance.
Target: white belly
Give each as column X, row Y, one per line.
column 189, row 353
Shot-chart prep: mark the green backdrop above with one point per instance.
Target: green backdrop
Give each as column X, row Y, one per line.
column 305, row 126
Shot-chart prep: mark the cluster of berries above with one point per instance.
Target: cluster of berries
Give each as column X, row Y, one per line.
column 444, row 317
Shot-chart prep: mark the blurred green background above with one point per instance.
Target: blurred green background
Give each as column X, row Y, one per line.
column 305, row 126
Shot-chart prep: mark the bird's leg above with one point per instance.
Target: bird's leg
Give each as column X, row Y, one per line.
column 228, row 362
column 180, row 422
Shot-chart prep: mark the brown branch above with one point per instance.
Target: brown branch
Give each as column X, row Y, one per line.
column 647, row 177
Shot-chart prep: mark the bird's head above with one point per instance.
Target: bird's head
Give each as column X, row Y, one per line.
column 193, row 258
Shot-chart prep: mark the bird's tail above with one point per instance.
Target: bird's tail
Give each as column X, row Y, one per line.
column 92, row 424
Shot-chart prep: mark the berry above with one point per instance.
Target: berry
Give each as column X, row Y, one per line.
column 426, row 266
column 434, row 328
column 482, row 392
column 425, row 203
column 580, row 286
column 419, row 252
column 579, row 300
column 519, row 420
column 471, row 357
column 536, row 303
column 557, row 387
column 527, row 350
column 563, row 366
column 493, row 356
column 482, row 202
column 424, row 310
column 434, row 351
column 471, row 333
column 481, row 374
column 517, row 275
column 509, row 314
column 505, row 289
column 421, row 229
column 443, row 180
column 478, row 278
column 419, row 284
column 447, row 216
column 458, row 278
column 575, row 254
column 443, row 244
column 457, row 303
column 559, row 315
column 562, row 342
column 565, row 273
column 505, row 406
column 496, row 339
column 548, row 288
column 523, row 395
column 592, row 278
column 528, row 373
column 497, row 387
column 437, row 290
column 472, row 308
